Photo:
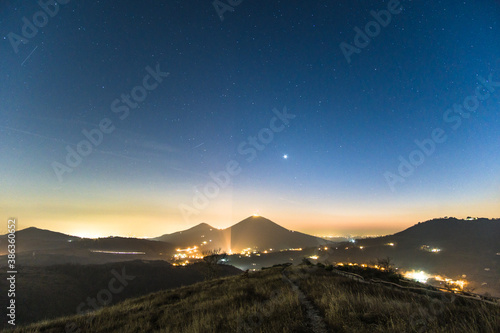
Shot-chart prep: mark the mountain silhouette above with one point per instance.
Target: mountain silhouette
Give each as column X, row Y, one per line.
column 254, row 232
column 37, row 247
column 477, row 235
column 31, row 239
column 445, row 246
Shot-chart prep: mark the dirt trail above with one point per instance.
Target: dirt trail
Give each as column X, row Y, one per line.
column 317, row 323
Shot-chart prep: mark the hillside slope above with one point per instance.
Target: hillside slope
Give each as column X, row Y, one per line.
column 266, row 302
column 54, row 291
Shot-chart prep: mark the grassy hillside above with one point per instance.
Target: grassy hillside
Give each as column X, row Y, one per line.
column 55, row 291
column 351, row 306
column 269, row 301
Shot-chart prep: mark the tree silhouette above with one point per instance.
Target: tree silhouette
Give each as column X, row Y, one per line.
column 212, row 258
column 386, row 264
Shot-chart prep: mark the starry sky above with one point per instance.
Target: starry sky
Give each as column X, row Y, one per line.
column 174, row 113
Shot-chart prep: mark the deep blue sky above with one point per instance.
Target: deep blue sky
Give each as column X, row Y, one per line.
column 353, row 120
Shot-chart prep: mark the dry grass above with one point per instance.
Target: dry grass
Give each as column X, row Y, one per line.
column 264, row 302
column 350, row 306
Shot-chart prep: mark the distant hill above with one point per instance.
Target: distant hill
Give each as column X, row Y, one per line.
column 40, row 247
column 477, row 238
column 482, row 233
column 252, row 232
column 445, row 246
column 32, row 238
column 195, row 236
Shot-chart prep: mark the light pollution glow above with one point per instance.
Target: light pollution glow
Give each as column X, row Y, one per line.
column 150, row 217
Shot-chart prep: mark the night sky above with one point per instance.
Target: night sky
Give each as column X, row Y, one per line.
column 275, row 100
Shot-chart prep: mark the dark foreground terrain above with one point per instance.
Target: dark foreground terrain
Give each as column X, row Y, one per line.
column 305, row 298
column 60, row 290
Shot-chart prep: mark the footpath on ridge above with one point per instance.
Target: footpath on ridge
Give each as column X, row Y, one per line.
column 315, row 319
